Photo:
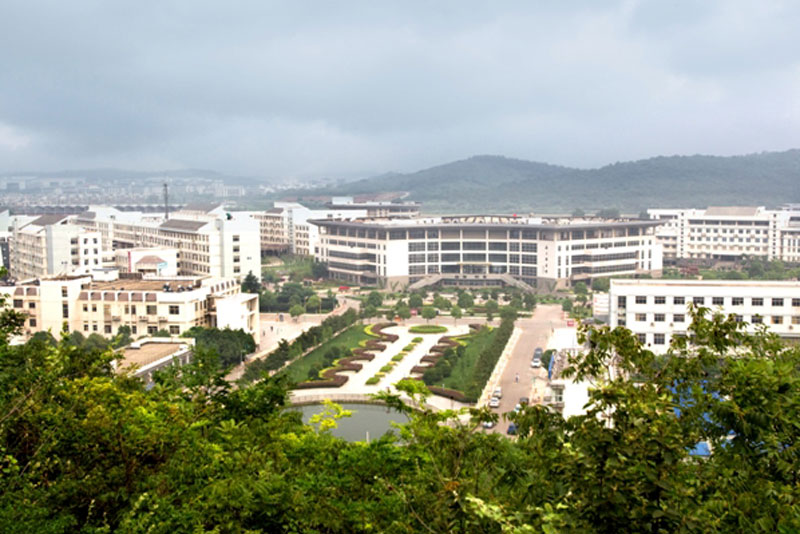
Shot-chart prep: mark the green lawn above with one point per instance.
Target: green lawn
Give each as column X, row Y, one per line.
column 298, row 371
column 463, row 369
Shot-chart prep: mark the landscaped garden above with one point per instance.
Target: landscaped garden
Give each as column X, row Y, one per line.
column 300, row 370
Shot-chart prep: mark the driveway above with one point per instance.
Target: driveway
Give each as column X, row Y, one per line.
column 517, row 379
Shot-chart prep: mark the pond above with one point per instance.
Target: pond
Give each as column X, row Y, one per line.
column 368, row 421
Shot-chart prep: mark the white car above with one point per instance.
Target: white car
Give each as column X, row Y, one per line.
column 494, row 402
column 498, row 393
column 536, row 362
column 489, row 424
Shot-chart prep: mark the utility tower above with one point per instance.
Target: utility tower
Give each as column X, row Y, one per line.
column 166, row 201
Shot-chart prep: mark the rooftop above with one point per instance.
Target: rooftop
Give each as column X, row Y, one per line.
column 180, row 225
column 706, row 283
column 133, row 284
column 499, row 221
column 148, row 353
column 732, row 211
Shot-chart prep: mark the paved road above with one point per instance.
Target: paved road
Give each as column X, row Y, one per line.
column 535, row 333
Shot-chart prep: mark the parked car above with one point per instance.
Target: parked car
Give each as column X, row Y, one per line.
column 518, row 408
column 524, row 401
column 498, row 393
column 536, row 362
column 512, row 430
column 494, row 402
column 538, row 353
column 489, row 424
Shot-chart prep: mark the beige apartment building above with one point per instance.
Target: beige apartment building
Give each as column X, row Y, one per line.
column 146, row 305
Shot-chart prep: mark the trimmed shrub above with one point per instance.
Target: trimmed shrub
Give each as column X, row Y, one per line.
column 428, row 329
column 416, row 340
column 386, row 368
column 371, row 381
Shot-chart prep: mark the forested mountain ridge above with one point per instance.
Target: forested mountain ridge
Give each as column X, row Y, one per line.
column 496, row 183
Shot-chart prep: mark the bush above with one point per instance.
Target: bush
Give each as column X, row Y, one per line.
column 387, row 368
column 428, row 329
column 416, row 340
column 398, row 357
column 371, row 381
column 409, row 348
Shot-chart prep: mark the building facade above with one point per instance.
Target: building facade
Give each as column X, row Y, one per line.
column 209, row 241
column 286, row 227
column 729, row 233
column 146, row 305
column 52, row 244
column 486, row 250
column 658, row 310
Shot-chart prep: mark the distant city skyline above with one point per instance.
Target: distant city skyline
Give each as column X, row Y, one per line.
column 285, row 91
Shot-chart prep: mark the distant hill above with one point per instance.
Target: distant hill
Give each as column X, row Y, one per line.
column 499, row 184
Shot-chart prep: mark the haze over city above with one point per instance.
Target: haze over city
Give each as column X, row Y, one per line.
column 274, row 90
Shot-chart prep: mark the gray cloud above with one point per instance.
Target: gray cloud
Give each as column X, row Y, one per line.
column 279, row 89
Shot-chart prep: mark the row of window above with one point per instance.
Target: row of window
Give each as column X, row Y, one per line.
column 715, row 301
column 152, row 309
column 173, row 329
column 755, row 319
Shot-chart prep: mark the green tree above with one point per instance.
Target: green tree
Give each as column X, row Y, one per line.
column 403, row 311
column 415, row 300
column 566, row 305
column 369, row 311
column 250, row 284
column 492, row 306
column 456, row 313
column 608, row 213
column 314, row 303
column 375, row 299
column 580, row 288
column 296, row 311
column 601, row 284
column 465, row 300
column 428, row 313
column 529, row 299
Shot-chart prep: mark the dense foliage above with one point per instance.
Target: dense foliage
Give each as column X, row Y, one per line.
column 83, row 450
column 231, row 345
column 293, row 294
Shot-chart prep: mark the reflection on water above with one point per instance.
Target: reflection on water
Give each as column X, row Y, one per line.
column 372, row 420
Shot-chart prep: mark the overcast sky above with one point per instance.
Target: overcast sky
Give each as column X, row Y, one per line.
column 309, row 89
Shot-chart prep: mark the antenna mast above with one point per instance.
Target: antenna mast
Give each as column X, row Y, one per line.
column 166, row 201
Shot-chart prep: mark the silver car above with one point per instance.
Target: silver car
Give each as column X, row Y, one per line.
column 494, row 402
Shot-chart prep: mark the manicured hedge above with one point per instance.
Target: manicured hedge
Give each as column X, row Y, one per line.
column 428, row 329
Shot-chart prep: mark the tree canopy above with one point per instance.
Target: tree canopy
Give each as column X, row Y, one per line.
column 84, row 449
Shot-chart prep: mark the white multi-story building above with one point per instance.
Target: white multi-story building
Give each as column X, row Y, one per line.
column 286, row 227
column 209, row 240
column 146, row 305
column 51, row 245
column 375, row 208
column 657, row 310
column 729, row 233
column 486, row 250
